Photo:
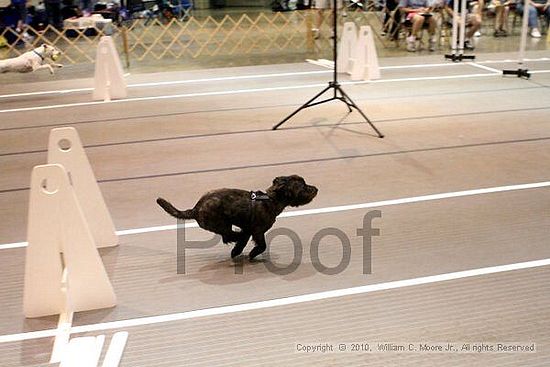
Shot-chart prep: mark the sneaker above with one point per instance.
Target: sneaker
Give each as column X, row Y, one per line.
column 535, row 33
column 411, row 43
column 468, row 45
column 433, row 43
column 500, row 33
column 477, row 34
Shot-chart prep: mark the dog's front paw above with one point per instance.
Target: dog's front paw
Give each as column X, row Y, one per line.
column 237, row 250
column 255, row 252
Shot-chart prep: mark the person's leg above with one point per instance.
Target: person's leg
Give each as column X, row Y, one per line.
column 22, row 12
column 388, row 9
column 49, row 13
column 499, row 14
column 319, row 16
column 504, row 24
column 533, row 17
column 417, row 23
column 57, row 16
column 474, row 24
column 432, row 27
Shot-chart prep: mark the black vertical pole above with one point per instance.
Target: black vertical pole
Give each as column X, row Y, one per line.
column 335, row 41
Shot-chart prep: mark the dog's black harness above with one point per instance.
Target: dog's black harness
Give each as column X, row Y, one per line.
column 256, row 196
column 42, row 57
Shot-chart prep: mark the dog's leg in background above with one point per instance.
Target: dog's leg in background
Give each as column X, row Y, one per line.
column 240, row 245
column 43, row 66
column 259, row 239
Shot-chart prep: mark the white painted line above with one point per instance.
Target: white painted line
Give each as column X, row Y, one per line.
column 207, row 80
column 539, row 71
column 224, row 310
column 64, row 325
column 254, row 76
column 415, row 199
column 62, row 337
column 419, row 66
column 126, row 232
column 238, row 91
column 62, row 91
column 511, row 60
column 171, row 96
column 228, row 78
column 94, row 360
column 172, row 82
column 13, row 245
column 116, row 348
column 493, row 70
column 83, row 352
column 465, row 76
column 340, row 208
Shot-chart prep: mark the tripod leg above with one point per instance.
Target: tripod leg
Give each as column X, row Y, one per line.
column 352, row 104
column 305, row 105
column 343, row 99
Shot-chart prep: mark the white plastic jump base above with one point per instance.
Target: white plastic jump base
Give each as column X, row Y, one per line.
column 347, row 46
column 83, row 352
column 86, row 351
column 109, row 80
column 57, row 224
column 365, row 58
column 65, row 148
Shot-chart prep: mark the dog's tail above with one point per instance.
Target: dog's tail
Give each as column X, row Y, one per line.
column 170, row 209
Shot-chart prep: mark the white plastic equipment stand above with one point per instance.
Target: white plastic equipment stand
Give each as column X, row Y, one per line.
column 347, row 47
column 57, row 225
column 458, row 35
column 65, row 148
column 365, row 58
column 109, row 80
column 68, row 221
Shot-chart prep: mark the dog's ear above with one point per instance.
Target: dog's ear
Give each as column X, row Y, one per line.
column 280, row 181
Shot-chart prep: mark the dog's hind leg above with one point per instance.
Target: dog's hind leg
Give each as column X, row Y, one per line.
column 240, row 245
column 260, row 247
column 227, row 233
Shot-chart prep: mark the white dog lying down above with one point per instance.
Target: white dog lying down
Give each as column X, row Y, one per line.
column 32, row 60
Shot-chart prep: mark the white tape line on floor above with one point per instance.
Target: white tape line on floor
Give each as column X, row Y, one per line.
column 333, row 209
column 223, row 310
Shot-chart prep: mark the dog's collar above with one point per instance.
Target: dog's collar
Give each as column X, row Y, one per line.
column 258, row 195
column 42, row 57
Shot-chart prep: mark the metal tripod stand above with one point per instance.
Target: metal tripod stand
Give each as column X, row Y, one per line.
column 338, row 92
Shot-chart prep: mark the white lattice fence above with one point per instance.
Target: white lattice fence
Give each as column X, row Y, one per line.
column 271, row 34
column 226, row 36
column 79, row 48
